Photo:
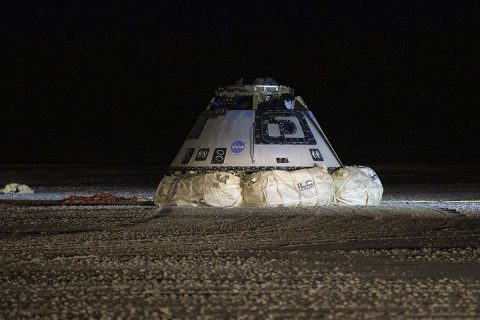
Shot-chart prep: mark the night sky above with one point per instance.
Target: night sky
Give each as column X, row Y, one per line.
column 389, row 81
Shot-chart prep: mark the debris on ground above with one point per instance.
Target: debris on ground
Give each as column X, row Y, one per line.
column 100, row 198
column 15, row 188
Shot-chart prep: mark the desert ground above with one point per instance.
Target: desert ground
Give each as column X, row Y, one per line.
column 417, row 255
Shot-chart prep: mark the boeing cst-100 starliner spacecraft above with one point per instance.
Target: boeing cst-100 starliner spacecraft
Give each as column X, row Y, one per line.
column 255, row 127
column 259, row 145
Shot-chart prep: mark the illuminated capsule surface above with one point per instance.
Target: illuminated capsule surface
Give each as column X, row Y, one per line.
column 255, row 127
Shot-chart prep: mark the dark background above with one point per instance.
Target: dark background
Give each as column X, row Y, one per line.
column 389, row 81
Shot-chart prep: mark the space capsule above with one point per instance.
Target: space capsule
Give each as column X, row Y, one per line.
column 255, row 127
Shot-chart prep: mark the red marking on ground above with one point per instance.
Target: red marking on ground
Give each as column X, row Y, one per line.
column 99, row 198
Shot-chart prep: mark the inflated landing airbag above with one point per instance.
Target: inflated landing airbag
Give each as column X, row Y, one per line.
column 275, row 188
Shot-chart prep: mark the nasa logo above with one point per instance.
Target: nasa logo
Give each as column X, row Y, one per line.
column 237, row 146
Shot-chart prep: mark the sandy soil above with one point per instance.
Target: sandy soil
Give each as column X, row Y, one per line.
column 404, row 259
column 389, row 262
